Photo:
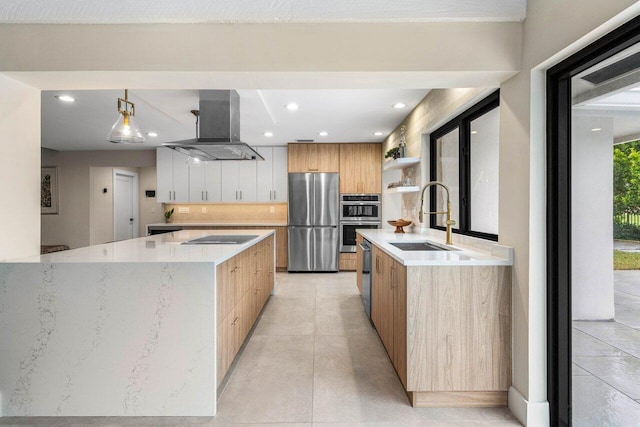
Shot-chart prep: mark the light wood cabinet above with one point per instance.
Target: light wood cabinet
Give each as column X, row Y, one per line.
column 447, row 330
column 360, row 168
column 347, row 261
column 313, row 157
column 243, row 285
column 388, row 310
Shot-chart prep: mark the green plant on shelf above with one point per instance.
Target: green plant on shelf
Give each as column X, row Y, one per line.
column 167, row 214
column 393, row 153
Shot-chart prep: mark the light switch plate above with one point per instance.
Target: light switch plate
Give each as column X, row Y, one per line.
column 272, row 209
column 204, row 210
column 183, row 209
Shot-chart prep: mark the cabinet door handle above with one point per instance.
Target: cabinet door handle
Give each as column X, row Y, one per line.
column 235, row 321
column 206, row 195
column 235, row 269
column 392, row 276
column 169, row 195
column 202, row 195
column 236, row 194
column 274, row 195
column 174, row 195
column 313, row 170
column 240, row 194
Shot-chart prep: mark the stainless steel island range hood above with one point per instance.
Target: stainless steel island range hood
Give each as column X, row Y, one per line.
column 217, row 130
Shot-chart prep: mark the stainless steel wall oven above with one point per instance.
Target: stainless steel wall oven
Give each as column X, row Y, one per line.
column 357, row 211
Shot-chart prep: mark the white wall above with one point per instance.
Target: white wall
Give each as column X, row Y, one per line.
column 549, row 30
column 437, row 108
column 19, row 169
column 86, row 214
column 592, row 218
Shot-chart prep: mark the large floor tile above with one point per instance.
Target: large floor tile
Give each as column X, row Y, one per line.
column 336, row 285
column 272, row 382
column 342, row 316
column 621, row 373
column 597, row 404
column 585, row 345
column 578, row 371
column 355, row 382
column 608, row 331
column 287, row 316
column 627, row 281
column 628, row 315
column 629, row 347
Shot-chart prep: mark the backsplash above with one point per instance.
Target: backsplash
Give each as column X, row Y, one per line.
column 226, row 212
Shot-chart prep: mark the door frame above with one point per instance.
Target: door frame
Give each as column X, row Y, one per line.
column 558, row 197
column 134, row 175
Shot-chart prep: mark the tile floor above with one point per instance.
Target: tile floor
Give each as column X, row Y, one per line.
column 313, row 360
column 606, row 362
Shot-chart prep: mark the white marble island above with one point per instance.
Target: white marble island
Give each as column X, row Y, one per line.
column 126, row 328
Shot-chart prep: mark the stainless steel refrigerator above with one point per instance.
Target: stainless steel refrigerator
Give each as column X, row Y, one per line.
column 313, row 235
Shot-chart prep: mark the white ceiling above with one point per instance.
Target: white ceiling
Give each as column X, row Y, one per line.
column 347, row 115
column 257, row 11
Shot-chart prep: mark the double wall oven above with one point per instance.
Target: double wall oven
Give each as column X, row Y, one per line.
column 357, row 211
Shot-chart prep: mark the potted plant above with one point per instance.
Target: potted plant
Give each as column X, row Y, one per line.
column 167, row 215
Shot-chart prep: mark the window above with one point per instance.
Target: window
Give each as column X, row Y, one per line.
column 465, row 159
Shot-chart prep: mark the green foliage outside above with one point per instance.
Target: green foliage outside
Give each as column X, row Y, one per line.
column 626, row 190
column 626, row 260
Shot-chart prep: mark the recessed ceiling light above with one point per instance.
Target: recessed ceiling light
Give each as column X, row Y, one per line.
column 268, row 134
column 378, row 133
column 596, row 129
column 66, row 98
column 292, row 106
column 152, row 134
column 473, row 132
column 323, row 133
column 399, row 105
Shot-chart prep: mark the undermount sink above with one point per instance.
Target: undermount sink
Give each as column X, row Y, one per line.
column 420, row 246
column 220, row 239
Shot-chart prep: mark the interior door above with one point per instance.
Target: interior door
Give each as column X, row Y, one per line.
column 124, row 206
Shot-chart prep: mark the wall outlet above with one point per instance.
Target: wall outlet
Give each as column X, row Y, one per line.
column 153, row 210
column 272, row 209
column 204, row 210
column 183, row 209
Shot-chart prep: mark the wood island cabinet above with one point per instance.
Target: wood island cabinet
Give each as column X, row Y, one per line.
column 313, row 157
column 446, row 329
column 360, row 168
column 244, row 284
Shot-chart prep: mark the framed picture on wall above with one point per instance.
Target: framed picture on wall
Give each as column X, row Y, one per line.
column 49, row 190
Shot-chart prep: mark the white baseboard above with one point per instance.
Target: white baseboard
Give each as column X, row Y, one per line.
column 535, row 414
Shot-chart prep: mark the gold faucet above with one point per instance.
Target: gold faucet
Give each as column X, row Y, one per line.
column 449, row 222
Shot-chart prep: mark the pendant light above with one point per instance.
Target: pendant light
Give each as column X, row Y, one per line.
column 125, row 130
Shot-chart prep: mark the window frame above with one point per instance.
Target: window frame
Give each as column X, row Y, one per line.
column 463, row 123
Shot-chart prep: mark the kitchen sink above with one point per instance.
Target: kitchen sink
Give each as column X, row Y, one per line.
column 421, row 246
column 221, row 239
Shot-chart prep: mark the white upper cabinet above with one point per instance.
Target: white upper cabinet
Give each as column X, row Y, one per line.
column 222, row 181
column 272, row 174
column 238, row 181
column 204, row 182
column 172, row 171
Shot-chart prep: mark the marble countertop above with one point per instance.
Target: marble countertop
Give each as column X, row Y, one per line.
column 159, row 248
column 222, row 224
column 464, row 255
